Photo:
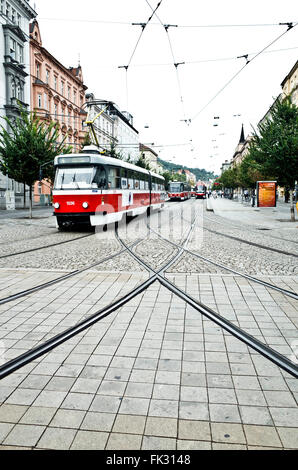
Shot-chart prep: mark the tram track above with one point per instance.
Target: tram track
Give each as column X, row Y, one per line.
column 248, row 228
column 30, row 250
column 25, row 358
column 221, row 266
column 154, row 275
column 274, row 356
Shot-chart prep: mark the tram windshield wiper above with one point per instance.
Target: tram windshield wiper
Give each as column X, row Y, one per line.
column 62, row 179
column 74, row 181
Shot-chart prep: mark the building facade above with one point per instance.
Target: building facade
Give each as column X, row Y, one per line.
column 15, row 16
column 57, row 94
column 102, row 122
column 290, row 84
column 114, row 127
column 151, row 158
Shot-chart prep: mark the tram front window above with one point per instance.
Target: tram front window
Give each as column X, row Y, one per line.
column 175, row 187
column 80, row 178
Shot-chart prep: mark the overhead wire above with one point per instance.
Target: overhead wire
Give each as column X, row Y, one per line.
column 143, row 26
column 175, row 63
column 248, row 61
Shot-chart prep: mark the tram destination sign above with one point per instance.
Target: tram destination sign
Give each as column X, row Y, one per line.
column 71, row 160
column 266, row 193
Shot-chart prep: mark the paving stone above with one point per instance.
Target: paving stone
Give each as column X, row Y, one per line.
column 89, row 440
column 255, row 415
column 163, row 408
column 229, row 433
column 5, row 429
column 289, row 437
column 158, row 443
column 134, row 406
column 11, row 413
column 38, row 415
column 157, row 426
column 124, row 442
column 198, row 430
column 24, row 435
column 67, row 419
column 262, row 436
column 224, row 413
column 192, row 445
column 129, row 424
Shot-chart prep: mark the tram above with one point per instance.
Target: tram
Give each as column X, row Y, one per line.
column 179, row 190
column 201, row 191
column 94, row 189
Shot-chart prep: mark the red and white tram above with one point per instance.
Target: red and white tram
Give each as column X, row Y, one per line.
column 201, row 190
column 94, row 189
column 178, row 190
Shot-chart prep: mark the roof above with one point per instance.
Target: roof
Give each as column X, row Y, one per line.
column 99, row 158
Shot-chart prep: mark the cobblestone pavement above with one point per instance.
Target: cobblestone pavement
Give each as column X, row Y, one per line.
column 155, row 374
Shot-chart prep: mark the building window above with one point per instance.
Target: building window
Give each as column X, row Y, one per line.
column 62, row 88
column 13, row 89
column 2, row 7
column 39, row 101
column 55, row 82
column 47, row 77
column 45, row 101
column 55, row 111
column 13, row 47
column 37, row 70
column 13, row 15
column 7, row 10
column 75, row 97
column 20, row 57
column 19, row 19
column 68, row 92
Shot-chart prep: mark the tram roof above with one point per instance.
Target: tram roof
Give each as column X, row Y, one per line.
column 101, row 159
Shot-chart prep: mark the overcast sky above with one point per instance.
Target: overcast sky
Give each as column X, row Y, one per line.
column 99, row 33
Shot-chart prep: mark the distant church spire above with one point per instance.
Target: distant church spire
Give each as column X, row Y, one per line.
column 242, row 138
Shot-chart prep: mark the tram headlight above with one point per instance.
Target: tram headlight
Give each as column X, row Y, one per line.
column 85, row 205
column 56, row 205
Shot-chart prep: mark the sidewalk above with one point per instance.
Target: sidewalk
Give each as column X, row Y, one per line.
column 266, row 217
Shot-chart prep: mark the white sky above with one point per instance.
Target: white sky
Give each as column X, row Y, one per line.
column 101, row 34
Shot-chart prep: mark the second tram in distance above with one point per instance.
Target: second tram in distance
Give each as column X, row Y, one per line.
column 201, row 191
column 179, row 190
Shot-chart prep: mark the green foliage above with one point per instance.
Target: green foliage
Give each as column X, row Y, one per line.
column 228, row 179
column 274, row 148
column 201, row 174
column 28, row 144
column 142, row 163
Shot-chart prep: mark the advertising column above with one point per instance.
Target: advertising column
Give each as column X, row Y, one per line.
column 266, row 193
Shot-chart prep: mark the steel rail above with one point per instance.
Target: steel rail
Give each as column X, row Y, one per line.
column 274, row 356
column 20, row 361
column 289, row 293
column 23, row 293
column 248, row 228
column 45, row 246
column 258, row 245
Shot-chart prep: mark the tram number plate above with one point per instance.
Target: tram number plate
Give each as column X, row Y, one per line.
column 70, row 203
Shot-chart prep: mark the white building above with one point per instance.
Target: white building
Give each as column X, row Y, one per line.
column 113, row 126
column 103, row 124
column 15, row 16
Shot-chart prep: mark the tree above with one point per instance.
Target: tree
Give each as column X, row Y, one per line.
column 249, row 172
column 274, row 147
column 27, row 145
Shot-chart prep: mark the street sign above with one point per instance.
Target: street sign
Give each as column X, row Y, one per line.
column 266, row 193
